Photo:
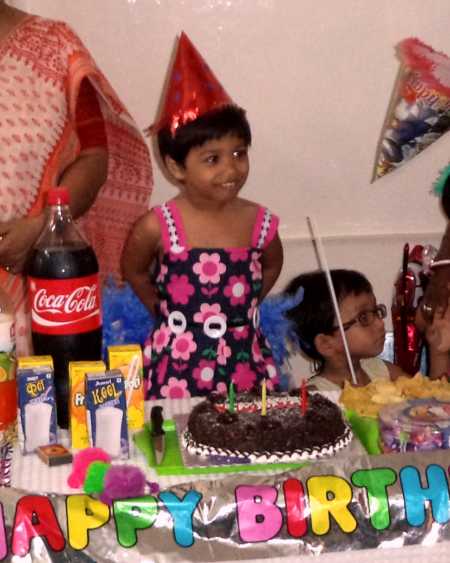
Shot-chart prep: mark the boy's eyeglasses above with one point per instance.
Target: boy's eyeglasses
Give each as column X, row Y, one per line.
column 366, row 318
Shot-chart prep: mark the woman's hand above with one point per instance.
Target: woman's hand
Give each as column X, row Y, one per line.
column 437, row 292
column 17, row 238
column 437, row 333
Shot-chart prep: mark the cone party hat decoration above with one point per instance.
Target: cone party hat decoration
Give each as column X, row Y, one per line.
column 192, row 89
column 419, row 112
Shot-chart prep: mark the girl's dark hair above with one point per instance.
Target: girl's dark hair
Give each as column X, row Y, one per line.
column 445, row 199
column 315, row 314
column 229, row 120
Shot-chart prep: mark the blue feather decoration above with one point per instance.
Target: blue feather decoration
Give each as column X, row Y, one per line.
column 277, row 328
column 125, row 319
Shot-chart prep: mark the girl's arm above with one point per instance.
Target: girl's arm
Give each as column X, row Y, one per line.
column 139, row 252
column 272, row 262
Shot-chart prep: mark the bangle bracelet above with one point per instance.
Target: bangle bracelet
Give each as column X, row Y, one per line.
column 440, row 263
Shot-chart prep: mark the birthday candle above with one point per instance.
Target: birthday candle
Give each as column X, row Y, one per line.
column 231, row 397
column 263, row 398
column 304, row 394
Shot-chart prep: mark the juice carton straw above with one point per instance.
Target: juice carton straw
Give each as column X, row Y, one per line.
column 128, row 358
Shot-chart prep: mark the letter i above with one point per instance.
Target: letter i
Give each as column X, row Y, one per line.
column 294, row 496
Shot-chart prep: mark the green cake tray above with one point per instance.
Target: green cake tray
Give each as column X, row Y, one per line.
column 174, row 464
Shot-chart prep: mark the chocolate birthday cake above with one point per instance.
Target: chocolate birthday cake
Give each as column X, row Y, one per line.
column 284, row 434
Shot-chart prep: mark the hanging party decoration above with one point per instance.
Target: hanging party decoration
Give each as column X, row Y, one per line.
column 419, row 113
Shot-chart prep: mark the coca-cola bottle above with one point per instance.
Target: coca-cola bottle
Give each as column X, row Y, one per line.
column 64, row 293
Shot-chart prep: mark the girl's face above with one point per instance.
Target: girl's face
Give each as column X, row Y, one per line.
column 215, row 171
column 363, row 341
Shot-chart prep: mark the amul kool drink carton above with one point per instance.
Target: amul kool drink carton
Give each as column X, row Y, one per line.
column 37, row 408
column 77, row 400
column 128, row 358
column 107, row 412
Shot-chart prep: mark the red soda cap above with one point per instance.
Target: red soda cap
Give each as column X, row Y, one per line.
column 58, row 196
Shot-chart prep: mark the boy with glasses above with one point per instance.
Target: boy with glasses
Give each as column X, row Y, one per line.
column 363, row 322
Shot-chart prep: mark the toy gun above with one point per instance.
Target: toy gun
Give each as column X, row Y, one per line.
column 409, row 289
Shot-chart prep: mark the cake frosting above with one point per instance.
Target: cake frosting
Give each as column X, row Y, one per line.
column 284, row 434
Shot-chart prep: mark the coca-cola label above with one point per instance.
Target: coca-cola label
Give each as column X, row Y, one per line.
column 67, row 306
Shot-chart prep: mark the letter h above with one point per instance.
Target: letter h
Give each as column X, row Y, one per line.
column 415, row 495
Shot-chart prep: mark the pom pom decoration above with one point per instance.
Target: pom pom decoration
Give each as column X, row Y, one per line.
column 419, row 112
column 123, row 481
column 277, row 328
column 94, row 482
column 81, row 462
column 125, row 318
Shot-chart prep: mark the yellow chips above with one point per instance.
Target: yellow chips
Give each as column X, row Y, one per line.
column 368, row 400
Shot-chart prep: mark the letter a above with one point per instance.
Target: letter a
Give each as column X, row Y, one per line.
column 35, row 517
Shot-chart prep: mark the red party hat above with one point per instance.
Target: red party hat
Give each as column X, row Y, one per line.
column 192, row 89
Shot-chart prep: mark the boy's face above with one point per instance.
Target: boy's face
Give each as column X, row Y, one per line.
column 363, row 341
column 215, row 171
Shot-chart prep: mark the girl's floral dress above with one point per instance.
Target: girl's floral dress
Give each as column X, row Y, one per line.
column 207, row 332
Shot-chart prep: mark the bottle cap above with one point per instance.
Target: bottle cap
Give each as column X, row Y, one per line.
column 58, row 196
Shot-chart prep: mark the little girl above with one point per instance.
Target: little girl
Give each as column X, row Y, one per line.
column 363, row 322
column 215, row 255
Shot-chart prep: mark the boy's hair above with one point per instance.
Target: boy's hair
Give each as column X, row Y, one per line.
column 315, row 314
column 228, row 120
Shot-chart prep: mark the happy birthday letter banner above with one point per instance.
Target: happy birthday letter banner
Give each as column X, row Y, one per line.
column 327, row 506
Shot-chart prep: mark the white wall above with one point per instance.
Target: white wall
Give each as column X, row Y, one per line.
column 316, row 77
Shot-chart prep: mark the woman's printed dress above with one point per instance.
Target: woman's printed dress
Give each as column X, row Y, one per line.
column 51, row 93
column 207, row 333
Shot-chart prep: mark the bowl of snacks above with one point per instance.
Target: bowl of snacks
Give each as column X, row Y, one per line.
column 378, row 433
